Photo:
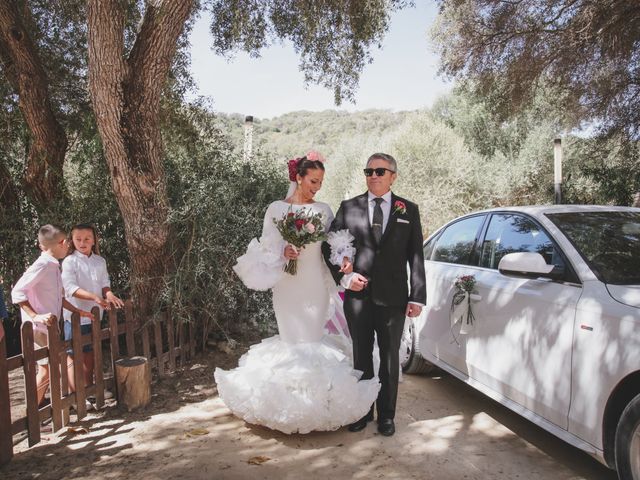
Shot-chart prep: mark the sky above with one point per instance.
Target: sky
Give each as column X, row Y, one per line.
column 403, row 75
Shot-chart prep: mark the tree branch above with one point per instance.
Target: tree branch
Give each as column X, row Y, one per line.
column 43, row 174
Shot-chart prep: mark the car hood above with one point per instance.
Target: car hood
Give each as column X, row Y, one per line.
column 627, row 294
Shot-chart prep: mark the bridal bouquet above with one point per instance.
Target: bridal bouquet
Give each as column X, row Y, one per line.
column 299, row 229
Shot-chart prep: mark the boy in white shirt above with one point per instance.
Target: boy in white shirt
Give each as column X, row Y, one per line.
column 41, row 297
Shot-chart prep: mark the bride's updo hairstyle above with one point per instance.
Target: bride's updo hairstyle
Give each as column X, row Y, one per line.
column 301, row 166
column 304, row 165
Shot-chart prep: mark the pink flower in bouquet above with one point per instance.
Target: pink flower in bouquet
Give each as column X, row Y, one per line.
column 310, row 227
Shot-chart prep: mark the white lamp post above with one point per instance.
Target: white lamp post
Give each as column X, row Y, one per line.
column 557, row 170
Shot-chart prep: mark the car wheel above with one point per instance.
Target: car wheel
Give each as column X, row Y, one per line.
column 627, row 447
column 412, row 361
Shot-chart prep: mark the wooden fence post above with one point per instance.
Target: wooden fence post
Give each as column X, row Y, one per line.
column 31, row 390
column 170, row 339
column 115, row 348
column 130, row 324
column 181, row 342
column 55, row 367
column 6, row 438
column 192, row 341
column 78, row 366
column 146, row 345
column 96, row 337
column 158, row 342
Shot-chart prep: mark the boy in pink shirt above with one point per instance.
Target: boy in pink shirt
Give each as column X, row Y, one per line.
column 41, row 297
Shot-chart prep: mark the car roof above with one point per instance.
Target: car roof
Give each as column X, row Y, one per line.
column 538, row 210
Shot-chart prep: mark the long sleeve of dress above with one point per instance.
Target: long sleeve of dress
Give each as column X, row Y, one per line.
column 262, row 266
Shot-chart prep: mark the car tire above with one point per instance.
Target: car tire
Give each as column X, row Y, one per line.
column 413, row 363
column 627, row 445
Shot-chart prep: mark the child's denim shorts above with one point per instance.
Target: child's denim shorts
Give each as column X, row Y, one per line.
column 84, row 329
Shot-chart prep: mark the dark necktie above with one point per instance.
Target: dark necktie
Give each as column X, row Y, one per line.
column 376, row 223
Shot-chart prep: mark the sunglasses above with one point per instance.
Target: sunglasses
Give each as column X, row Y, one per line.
column 380, row 172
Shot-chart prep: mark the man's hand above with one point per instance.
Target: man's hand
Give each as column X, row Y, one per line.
column 413, row 310
column 358, row 282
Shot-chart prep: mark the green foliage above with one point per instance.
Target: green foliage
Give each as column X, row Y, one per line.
column 586, row 49
column 218, row 203
column 437, row 171
column 613, row 170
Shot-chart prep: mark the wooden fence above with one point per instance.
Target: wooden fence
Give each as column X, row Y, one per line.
column 152, row 339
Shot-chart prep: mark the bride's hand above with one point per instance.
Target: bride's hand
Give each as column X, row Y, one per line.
column 347, row 266
column 291, row 252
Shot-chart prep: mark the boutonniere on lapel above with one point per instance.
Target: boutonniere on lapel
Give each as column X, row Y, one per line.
column 399, row 207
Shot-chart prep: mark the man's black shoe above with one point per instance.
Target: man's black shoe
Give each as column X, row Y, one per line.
column 360, row 424
column 386, row 427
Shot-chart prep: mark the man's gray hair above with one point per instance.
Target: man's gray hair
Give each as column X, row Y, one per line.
column 387, row 158
column 48, row 234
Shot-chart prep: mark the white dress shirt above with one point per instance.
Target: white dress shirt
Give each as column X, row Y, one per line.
column 41, row 286
column 385, row 205
column 88, row 273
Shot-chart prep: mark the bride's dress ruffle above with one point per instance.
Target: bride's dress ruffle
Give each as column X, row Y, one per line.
column 262, row 266
column 296, row 387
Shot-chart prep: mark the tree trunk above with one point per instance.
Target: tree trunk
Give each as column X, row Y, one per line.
column 636, row 200
column 12, row 238
column 43, row 173
column 133, row 382
column 126, row 100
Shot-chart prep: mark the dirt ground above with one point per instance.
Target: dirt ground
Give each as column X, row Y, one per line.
column 445, row 430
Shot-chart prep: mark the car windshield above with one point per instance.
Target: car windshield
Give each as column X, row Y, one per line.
column 608, row 241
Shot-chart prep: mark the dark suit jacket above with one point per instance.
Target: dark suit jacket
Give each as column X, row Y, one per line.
column 385, row 265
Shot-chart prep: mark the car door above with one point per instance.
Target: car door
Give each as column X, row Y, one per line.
column 447, row 258
column 520, row 344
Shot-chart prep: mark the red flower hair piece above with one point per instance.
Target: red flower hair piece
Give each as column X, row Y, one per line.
column 293, row 168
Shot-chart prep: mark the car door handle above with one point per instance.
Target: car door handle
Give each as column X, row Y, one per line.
column 475, row 297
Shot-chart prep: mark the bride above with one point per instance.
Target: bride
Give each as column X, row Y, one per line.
column 300, row 380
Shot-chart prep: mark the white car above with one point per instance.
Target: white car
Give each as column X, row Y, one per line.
column 551, row 328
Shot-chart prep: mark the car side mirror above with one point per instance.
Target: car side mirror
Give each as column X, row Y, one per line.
column 527, row 265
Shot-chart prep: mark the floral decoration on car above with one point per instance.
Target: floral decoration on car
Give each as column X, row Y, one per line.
column 461, row 303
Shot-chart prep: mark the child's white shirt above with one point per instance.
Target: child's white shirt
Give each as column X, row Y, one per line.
column 41, row 285
column 88, row 273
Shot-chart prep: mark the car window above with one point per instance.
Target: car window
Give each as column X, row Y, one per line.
column 455, row 244
column 509, row 233
column 428, row 248
column 608, row 241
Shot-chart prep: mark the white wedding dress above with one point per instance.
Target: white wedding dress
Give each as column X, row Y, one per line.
column 302, row 379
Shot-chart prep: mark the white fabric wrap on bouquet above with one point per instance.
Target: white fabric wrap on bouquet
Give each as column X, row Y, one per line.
column 341, row 243
column 460, row 314
column 262, row 266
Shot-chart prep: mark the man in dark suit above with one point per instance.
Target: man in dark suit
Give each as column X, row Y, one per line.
column 388, row 237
